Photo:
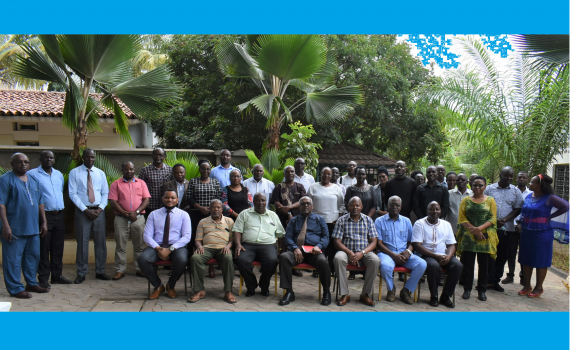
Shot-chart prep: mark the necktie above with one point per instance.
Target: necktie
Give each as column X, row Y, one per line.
column 165, row 236
column 302, row 234
column 90, row 192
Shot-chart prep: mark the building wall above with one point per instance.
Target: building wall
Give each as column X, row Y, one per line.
column 559, row 160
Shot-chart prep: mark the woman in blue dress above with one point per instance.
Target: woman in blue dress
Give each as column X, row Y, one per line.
column 537, row 236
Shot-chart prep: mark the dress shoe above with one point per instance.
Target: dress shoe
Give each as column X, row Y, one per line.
column 401, row 277
column 326, row 299
column 118, row 276
column 345, row 299
column 391, row 295
column 297, row 273
column 79, row 279
column 157, row 292
column 315, row 274
column 265, row 292
column 250, row 293
column 287, row 298
column 482, row 296
column 466, row 294
column 200, row 295
column 102, row 276
column 22, row 295
column 36, row 289
column 60, row 280
column 45, row 284
column 365, row 299
column 406, row 296
column 507, row 280
column 171, row 293
column 446, row 301
column 433, row 302
column 140, row 274
column 498, row 288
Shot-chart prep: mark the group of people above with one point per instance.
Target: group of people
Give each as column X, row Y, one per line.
column 338, row 225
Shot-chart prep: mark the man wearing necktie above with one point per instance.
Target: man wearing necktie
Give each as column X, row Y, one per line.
column 306, row 229
column 89, row 191
column 167, row 232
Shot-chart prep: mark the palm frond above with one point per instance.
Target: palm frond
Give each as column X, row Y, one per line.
column 551, row 48
column 332, row 104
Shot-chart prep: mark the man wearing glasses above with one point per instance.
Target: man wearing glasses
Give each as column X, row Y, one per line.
column 21, row 205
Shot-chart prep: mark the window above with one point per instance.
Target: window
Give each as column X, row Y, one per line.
column 561, row 180
column 27, row 143
column 25, row 126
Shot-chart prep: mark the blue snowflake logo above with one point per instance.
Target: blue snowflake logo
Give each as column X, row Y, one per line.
column 499, row 44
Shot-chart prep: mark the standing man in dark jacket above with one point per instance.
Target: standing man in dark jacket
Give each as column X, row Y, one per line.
column 429, row 192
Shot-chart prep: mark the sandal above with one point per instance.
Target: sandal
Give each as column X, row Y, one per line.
column 351, row 276
column 535, row 295
column 525, row 291
column 230, row 298
column 197, row 296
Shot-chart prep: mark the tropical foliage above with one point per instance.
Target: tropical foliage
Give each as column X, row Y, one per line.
column 270, row 161
column 10, row 51
column 189, row 160
column 516, row 116
column 85, row 64
column 275, row 62
column 296, row 144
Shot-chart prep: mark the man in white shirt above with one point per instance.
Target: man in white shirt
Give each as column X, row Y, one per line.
column 300, row 176
column 257, row 183
column 456, row 195
column 350, row 178
column 433, row 239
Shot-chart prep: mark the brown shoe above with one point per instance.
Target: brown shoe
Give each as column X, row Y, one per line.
column 365, row 299
column 345, row 299
column 118, row 276
column 140, row 274
column 171, row 292
column 22, row 295
column 507, row 280
column 36, row 289
column 406, row 296
column 200, row 295
column 229, row 297
column 157, row 292
column 391, row 295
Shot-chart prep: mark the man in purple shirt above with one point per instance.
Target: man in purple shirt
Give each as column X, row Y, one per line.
column 166, row 233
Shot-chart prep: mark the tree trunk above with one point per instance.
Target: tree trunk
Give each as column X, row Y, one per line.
column 79, row 139
column 273, row 137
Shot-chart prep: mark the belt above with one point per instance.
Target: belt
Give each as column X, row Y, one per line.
column 92, row 207
column 54, row 212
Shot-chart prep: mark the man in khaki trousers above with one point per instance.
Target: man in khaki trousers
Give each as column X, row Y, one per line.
column 128, row 197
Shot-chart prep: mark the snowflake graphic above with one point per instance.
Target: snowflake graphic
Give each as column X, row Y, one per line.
column 436, row 47
column 497, row 43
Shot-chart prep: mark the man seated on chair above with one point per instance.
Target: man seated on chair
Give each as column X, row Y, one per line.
column 255, row 233
column 305, row 229
column 394, row 243
column 433, row 238
column 213, row 241
column 355, row 238
column 166, row 234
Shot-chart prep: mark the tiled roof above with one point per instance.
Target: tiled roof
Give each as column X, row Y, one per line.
column 44, row 104
column 343, row 153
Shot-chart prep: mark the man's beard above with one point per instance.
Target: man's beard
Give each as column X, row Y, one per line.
column 169, row 208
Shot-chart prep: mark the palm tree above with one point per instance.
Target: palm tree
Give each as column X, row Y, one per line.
column 275, row 62
column 551, row 49
column 85, row 64
column 10, row 50
column 516, row 116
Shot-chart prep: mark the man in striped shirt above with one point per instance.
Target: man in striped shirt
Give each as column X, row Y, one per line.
column 213, row 240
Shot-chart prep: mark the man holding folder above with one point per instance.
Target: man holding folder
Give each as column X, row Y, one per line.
column 307, row 236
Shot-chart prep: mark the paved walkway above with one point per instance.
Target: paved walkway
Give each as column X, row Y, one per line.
column 129, row 294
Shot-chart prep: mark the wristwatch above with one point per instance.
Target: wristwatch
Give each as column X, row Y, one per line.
column 409, row 251
column 138, row 212
column 172, row 248
column 363, row 252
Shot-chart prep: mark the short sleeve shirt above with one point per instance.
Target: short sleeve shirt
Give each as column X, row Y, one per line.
column 355, row 234
column 21, row 200
column 507, row 200
column 258, row 228
column 395, row 234
column 434, row 238
column 129, row 194
column 215, row 235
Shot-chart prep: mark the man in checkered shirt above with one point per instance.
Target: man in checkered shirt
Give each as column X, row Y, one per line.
column 154, row 176
column 355, row 238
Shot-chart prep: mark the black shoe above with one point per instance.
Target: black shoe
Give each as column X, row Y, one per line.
column 45, row 284
column 297, row 273
column 102, row 276
column 265, row 292
column 433, row 302
column 466, row 294
column 287, row 299
column 498, row 288
column 79, row 279
column 61, row 280
column 326, row 299
column 440, row 283
column 482, row 296
column 250, row 293
column 315, row 274
column 423, row 279
column 446, row 301
column 401, row 277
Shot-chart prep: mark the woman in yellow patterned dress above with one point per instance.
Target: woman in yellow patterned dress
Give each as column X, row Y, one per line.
column 477, row 236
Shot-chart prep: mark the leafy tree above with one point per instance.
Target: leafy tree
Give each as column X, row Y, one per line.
column 296, row 144
column 88, row 63
column 10, row 50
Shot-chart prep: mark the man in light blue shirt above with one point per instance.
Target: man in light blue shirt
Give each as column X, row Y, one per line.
column 222, row 171
column 394, row 242
column 258, row 184
column 51, row 245
column 88, row 190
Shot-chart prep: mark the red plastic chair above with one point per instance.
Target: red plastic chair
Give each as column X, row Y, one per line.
column 349, row 267
column 256, row 263
column 444, row 271
column 304, row 266
column 167, row 263
column 406, row 272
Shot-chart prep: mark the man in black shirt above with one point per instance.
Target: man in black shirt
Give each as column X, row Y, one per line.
column 403, row 187
column 431, row 191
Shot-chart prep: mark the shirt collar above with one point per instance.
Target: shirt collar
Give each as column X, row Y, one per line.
column 41, row 170
column 359, row 218
column 86, row 168
column 266, row 212
column 134, row 179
